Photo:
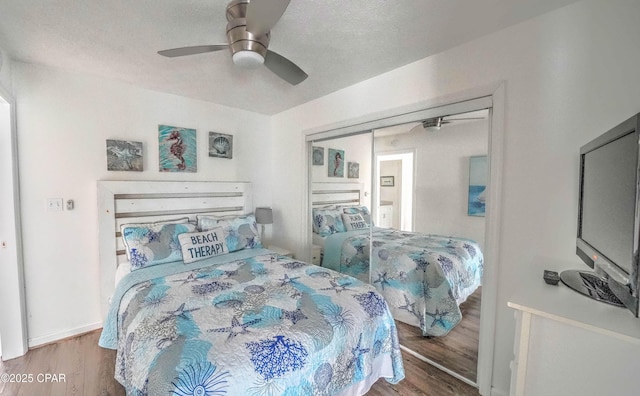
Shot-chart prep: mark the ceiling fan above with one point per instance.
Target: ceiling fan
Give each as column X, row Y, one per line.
column 248, row 34
column 436, row 123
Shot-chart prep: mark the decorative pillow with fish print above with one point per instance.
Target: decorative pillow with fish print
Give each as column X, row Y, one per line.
column 157, row 244
column 241, row 232
column 327, row 221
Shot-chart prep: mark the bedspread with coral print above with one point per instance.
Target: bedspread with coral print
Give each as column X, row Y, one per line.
column 425, row 278
column 261, row 325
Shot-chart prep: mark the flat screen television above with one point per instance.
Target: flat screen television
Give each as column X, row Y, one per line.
column 608, row 217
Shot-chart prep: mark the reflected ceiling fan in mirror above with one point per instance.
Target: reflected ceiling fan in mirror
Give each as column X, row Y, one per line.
column 434, row 124
column 248, row 35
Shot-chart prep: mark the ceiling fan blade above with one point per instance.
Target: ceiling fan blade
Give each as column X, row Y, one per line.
column 284, row 68
column 198, row 49
column 262, row 15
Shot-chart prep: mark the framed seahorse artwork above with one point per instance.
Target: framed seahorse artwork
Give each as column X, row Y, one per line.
column 177, row 149
column 336, row 163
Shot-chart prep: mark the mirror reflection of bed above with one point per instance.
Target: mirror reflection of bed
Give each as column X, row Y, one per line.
column 420, row 186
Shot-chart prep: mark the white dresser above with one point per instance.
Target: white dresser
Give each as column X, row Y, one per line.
column 568, row 344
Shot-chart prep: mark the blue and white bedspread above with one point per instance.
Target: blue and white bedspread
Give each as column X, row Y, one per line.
column 424, row 278
column 250, row 323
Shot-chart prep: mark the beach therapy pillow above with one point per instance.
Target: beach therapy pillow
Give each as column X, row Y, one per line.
column 354, row 222
column 363, row 210
column 327, row 221
column 201, row 245
column 154, row 244
column 241, row 232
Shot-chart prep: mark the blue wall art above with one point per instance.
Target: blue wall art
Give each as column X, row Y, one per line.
column 336, row 163
column 177, row 149
column 477, row 185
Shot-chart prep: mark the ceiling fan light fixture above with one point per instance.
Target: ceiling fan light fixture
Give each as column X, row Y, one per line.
column 248, row 59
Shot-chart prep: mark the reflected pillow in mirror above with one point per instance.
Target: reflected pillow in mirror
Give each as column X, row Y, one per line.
column 354, row 222
column 327, row 221
column 363, row 210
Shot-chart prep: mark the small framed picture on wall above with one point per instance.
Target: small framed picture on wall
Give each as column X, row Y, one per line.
column 387, row 181
column 220, row 145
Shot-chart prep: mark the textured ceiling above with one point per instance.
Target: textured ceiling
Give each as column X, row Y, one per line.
column 337, row 42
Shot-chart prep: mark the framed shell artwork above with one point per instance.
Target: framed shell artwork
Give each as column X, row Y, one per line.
column 220, row 145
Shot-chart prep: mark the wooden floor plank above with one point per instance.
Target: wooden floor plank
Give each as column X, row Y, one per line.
column 458, row 350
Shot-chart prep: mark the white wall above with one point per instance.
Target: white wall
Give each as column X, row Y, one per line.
column 570, row 75
column 64, row 119
column 442, row 176
column 5, row 71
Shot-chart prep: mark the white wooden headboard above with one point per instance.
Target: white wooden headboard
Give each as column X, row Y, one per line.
column 328, row 193
column 121, row 202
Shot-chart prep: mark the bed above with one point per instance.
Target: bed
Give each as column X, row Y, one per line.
column 241, row 321
column 424, row 278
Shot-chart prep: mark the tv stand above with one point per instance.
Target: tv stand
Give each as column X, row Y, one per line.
column 566, row 344
column 590, row 285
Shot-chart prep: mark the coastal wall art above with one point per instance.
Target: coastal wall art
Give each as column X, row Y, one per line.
column 318, row 155
column 353, row 170
column 220, row 145
column 477, row 185
column 336, row 163
column 177, row 149
column 123, row 155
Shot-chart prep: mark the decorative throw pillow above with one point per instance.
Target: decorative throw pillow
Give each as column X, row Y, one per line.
column 363, row 210
column 327, row 221
column 153, row 225
column 201, row 245
column 354, row 222
column 154, row 245
column 240, row 232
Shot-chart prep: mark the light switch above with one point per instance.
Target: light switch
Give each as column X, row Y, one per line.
column 53, row 204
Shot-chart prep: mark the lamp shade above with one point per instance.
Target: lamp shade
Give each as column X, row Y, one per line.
column 264, row 216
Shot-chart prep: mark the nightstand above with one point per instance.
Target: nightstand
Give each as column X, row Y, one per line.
column 316, row 255
column 280, row 251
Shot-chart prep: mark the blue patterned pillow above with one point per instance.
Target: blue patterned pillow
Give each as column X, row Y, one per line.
column 154, row 225
column 327, row 221
column 155, row 244
column 241, row 232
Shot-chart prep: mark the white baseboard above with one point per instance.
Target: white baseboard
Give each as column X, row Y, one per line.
column 39, row 341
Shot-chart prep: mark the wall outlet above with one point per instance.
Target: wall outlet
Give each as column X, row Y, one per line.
column 53, row 204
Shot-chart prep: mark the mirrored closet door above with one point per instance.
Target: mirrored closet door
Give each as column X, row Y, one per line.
column 402, row 207
column 426, row 256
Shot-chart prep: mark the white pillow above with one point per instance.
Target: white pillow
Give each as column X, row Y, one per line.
column 201, row 245
column 354, row 221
